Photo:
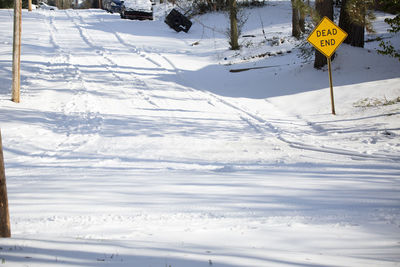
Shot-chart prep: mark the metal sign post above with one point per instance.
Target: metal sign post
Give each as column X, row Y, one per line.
column 327, row 37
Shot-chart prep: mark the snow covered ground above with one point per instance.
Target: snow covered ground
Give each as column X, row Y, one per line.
column 134, row 145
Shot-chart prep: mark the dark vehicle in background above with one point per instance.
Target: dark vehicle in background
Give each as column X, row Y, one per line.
column 46, row 6
column 112, row 6
column 137, row 9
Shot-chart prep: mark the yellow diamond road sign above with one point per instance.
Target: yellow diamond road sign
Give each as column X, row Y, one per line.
column 327, row 37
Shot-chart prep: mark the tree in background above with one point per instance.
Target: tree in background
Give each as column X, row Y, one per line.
column 356, row 16
column 303, row 11
column 6, row 3
column 220, row 5
column 234, row 34
column 387, row 47
column 61, row 4
column 390, row 6
column 323, row 8
column 299, row 11
column 296, row 29
column 345, row 22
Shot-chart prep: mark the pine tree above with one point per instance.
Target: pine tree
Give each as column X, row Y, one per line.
column 356, row 17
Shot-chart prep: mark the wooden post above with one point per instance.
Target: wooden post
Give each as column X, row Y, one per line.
column 16, row 66
column 233, row 9
column 331, row 85
column 29, row 5
column 4, row 215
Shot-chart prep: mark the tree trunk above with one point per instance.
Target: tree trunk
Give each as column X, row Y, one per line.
column 323, row 8
column 95, row 4
column 220, row 4
column 345, row 21
column 357, row 35
column 358, row 29
column 355, row 30
column 234, row 29
column 302, row 20
column 296, row 29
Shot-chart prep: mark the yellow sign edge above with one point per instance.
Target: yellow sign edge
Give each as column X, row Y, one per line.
column 325, row 17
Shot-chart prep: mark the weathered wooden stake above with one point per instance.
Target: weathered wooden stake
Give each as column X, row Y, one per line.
column 331, row 85
column 4, row 214
column 16, row 66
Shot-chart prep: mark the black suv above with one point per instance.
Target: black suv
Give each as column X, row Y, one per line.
column 112, row 6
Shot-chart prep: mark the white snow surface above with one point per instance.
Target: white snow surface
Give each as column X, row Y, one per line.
column 134, row 145
column 141, row 5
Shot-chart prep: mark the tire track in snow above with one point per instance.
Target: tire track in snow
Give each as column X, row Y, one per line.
column 131, row 48
column 74, row 120
column 263, row 126
column 166, row 67
column 315, row 130
column 304, row 146
column 254, row 121
column 111, row 65
column 207, row 96
column 259, row 122
column 145, row 54
column 245, row 116
column 148, row 55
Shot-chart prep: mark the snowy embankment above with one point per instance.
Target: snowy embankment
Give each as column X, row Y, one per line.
column 135, row 145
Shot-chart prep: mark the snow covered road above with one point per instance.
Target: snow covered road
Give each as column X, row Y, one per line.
column 119, row 154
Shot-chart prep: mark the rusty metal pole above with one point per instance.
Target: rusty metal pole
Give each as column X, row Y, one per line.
column 4, row 214
column 16, row 66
